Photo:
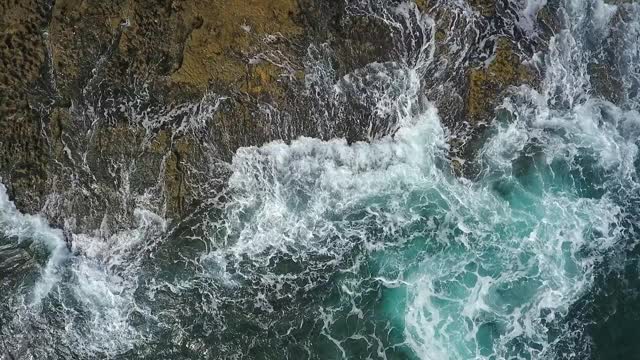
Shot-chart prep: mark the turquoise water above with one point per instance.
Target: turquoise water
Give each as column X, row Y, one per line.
column 320, row 249
column 428, row 265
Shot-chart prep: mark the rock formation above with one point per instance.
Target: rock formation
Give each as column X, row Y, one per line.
column 110, row 106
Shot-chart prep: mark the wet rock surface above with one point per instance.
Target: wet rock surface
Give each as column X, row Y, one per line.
column 106, row 107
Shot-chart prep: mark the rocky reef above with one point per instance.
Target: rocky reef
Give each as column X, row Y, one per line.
column 106, row 107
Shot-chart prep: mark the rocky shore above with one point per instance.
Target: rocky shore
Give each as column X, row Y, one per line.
column 106, row 107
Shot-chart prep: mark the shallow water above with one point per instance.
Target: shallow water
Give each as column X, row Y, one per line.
column 326, row 250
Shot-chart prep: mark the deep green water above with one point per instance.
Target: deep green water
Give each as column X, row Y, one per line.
column 327, row 250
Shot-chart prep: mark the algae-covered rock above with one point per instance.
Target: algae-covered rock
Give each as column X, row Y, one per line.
column 485, row 7
column 486, row 83
column 111, row 106
column 606, row 81
column 23, row 154
column 241, row 44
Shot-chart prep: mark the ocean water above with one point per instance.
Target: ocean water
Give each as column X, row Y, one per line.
column 321, row 249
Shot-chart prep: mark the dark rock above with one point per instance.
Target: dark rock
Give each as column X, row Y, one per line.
column 110, row 106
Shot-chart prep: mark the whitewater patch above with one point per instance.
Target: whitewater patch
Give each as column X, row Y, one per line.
column 85, row 292
column 32, row 228
column 487, row 268
column 286, row 193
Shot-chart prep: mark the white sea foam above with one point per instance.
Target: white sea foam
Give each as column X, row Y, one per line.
column 529, row 12
column 91, row 287
column 24, row 227
column 104, row 276
column 299, row 199
column 290, row 191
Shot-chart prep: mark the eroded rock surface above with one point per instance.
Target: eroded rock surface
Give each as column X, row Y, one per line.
column 106, row 107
